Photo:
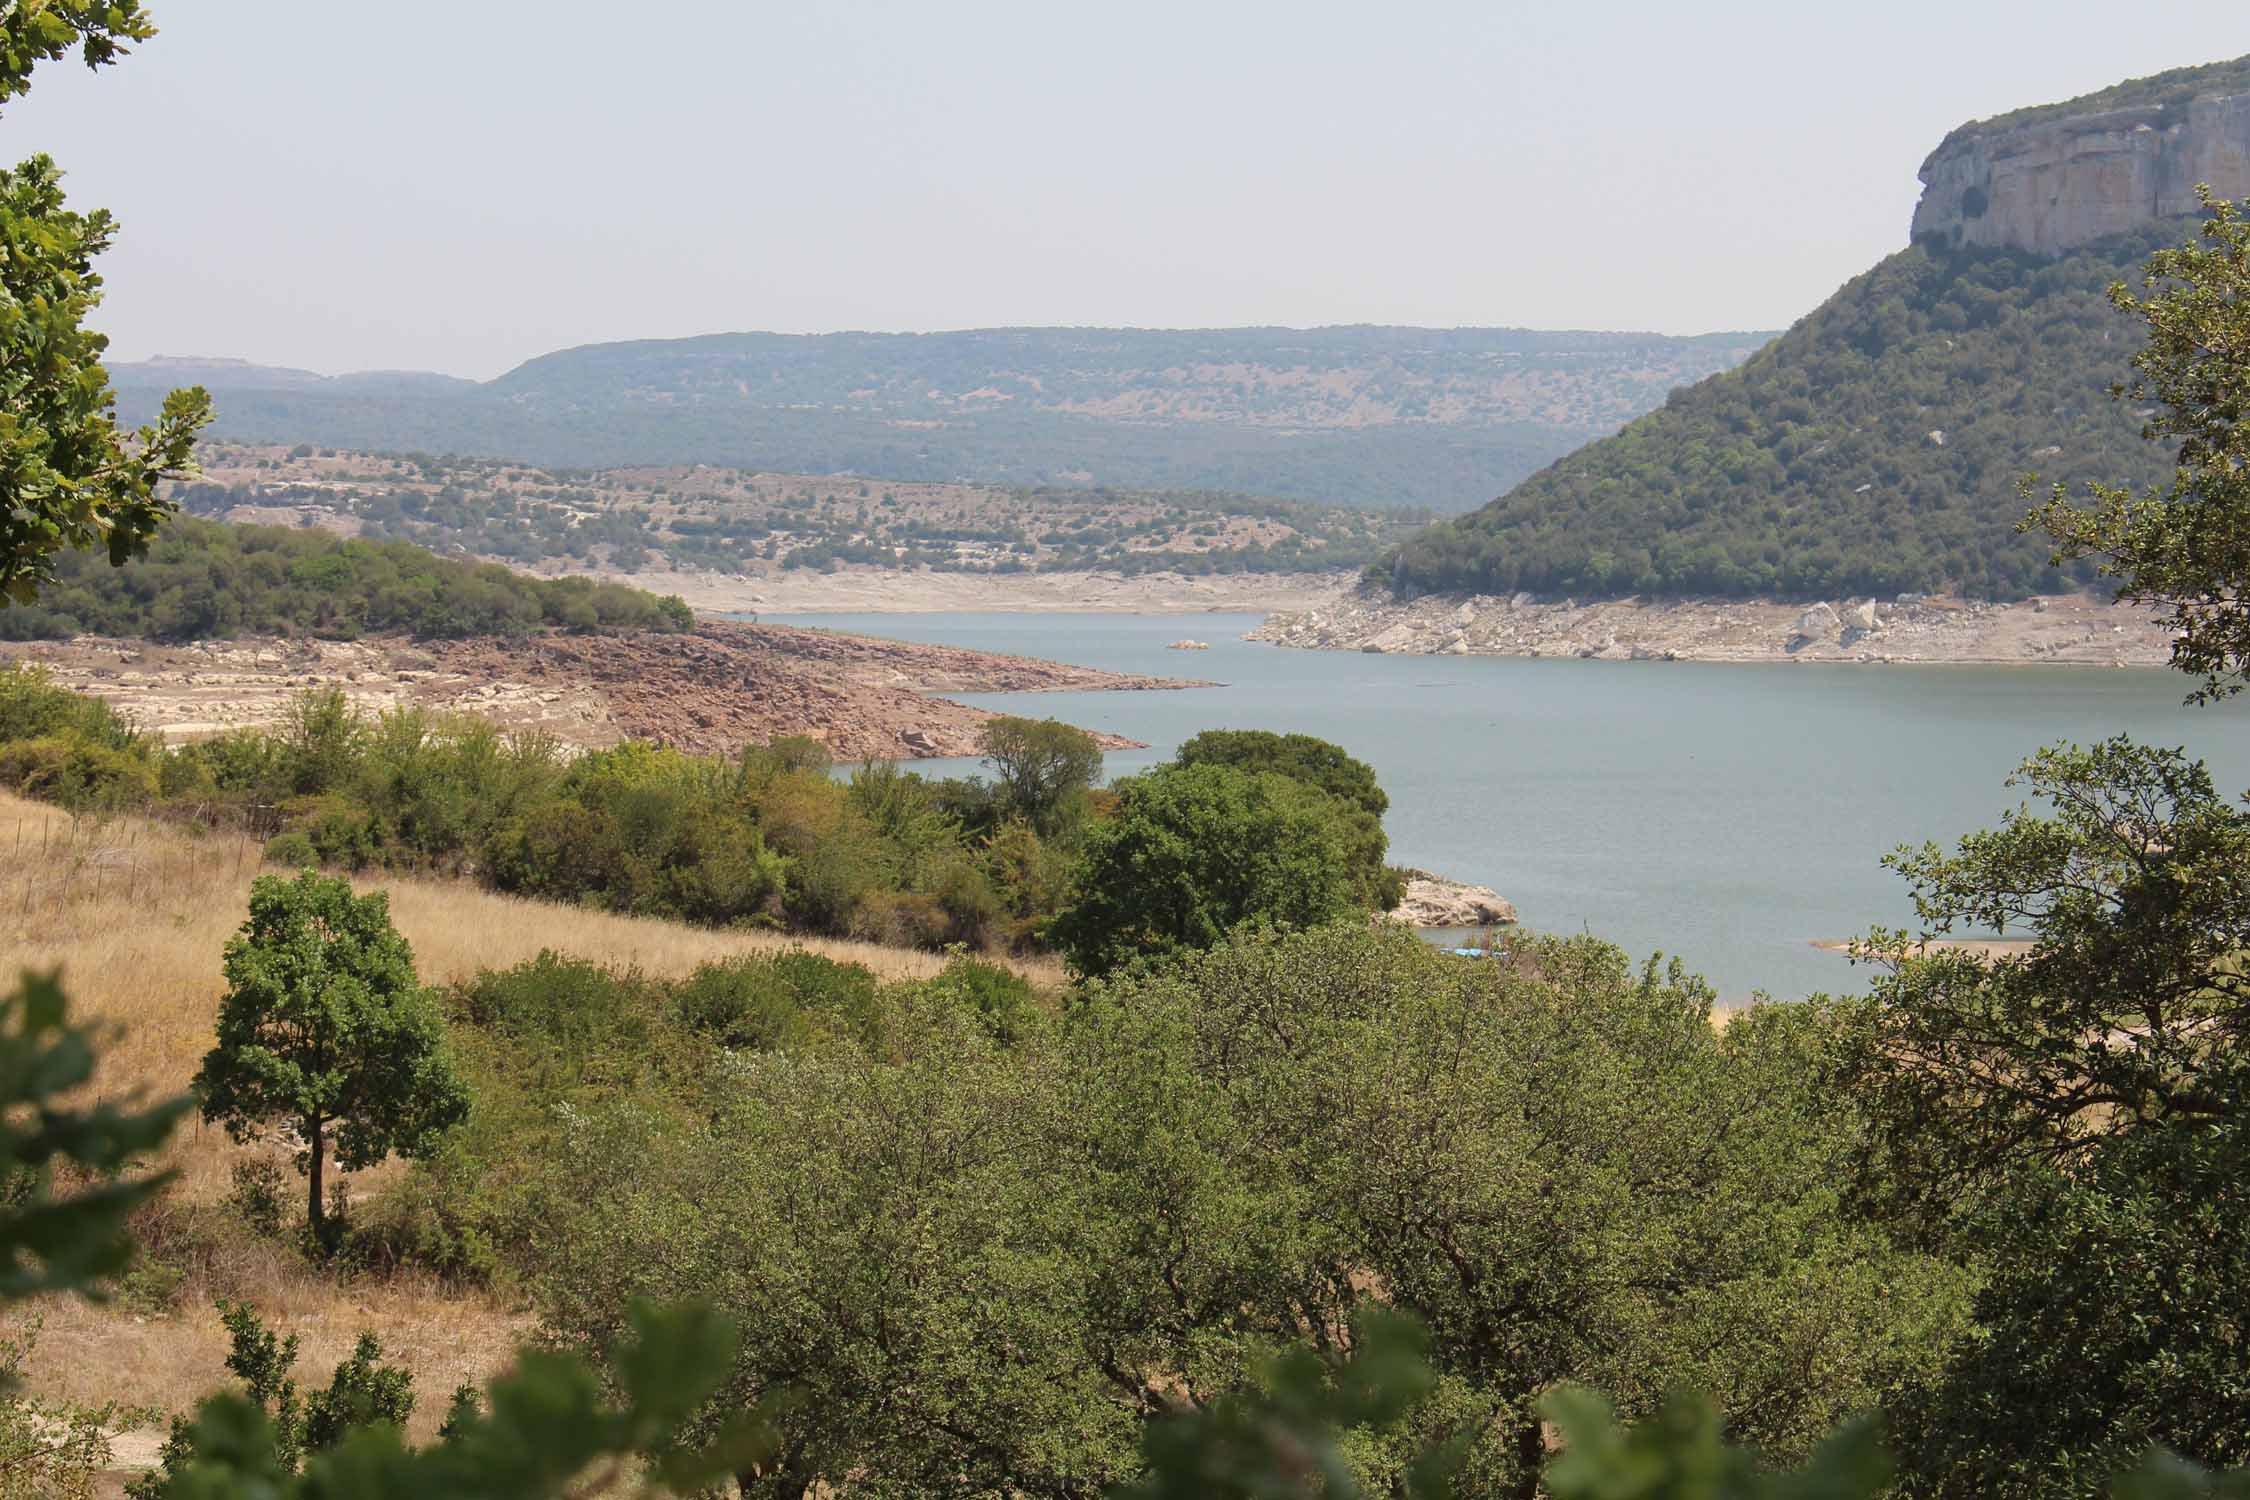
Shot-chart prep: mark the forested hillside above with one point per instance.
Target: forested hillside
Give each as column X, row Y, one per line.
column 202, row 579
column 1359, row 415
column 1876, row 447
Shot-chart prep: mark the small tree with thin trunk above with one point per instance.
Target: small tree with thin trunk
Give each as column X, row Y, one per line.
column 325, row 1029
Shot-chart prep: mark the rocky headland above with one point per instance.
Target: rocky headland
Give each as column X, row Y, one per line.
column 714, row 690
column 2066, row 175
column 2075, row 629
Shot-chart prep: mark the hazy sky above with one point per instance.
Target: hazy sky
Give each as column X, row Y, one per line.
column 461, row 184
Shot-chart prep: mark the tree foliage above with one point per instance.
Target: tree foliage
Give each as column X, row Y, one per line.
column 2129, row 1012
column 997, row 1261
column 1195, row 851
column 2071, row 1115
column 1300, row 757
column 325, row 1028
column 70, row 478
column 2185, row 546
column 1042, row 770
column 50, row 1243
column 1329, row 769
column 203, row 580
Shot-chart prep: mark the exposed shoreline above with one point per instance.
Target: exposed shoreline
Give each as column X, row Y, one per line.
column 713, row 690
column 2064, row 629
column 872, row 590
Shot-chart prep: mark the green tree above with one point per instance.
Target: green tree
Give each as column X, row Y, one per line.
column 994, row 1259
column 2186, row 546
column 1194, row 851
column 1043, row 770
column 1327, row 768
column 1301, row 757
column 1554, row 1163
column 69, row 478
column 2129, row 1011
column 2071, row 1115
column 324, row 1028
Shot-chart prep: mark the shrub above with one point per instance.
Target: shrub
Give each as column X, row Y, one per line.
column 1003, row 999
column 33, row 706
column 339, row 832
column 1030, row 876
column 78, row 772
column 570, row 1007
column 292, row 850
column 843, row 995
column 902, row 919
column 741, row 1003
column 973, row 913
column 257, row 1195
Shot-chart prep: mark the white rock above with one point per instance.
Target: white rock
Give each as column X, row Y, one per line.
column 1398, row 638
column 1818, row 623
column 1432, row 902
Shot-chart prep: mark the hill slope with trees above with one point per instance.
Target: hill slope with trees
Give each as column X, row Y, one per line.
column 202, row 580
column 1876, row 447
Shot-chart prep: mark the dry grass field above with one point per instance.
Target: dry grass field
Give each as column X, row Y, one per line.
column 135, row 914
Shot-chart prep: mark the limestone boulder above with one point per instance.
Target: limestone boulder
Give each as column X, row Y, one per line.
column 1435, row 902
column 1818, row 623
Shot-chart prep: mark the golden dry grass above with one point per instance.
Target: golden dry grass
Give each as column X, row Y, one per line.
column 135, row 913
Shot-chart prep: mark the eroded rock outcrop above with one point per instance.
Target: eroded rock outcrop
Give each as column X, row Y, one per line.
column 1432, row 901
column 2058, row 181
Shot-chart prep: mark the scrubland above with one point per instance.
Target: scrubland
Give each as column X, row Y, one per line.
column 136, row 913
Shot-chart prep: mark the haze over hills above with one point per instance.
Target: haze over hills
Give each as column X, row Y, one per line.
column 1439, row 417
column 1878, row 445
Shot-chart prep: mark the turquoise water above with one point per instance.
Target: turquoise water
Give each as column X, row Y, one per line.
column 1730, row 814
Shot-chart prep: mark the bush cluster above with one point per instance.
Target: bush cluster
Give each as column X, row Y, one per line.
column 554, row 1041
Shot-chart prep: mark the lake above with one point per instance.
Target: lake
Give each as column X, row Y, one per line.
column 1730, row 814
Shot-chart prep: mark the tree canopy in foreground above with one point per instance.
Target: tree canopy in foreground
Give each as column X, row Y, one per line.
column 2185, row 546
column 70, row 478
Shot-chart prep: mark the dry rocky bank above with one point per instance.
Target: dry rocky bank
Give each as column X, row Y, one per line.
column 713, row 690
column 2075, row 629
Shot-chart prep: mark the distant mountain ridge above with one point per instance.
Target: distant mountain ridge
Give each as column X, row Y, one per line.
column 1879, row 444
column 1360, row 414
column 215, row 374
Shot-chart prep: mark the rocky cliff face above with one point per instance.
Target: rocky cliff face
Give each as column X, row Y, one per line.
column 2055, row 183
